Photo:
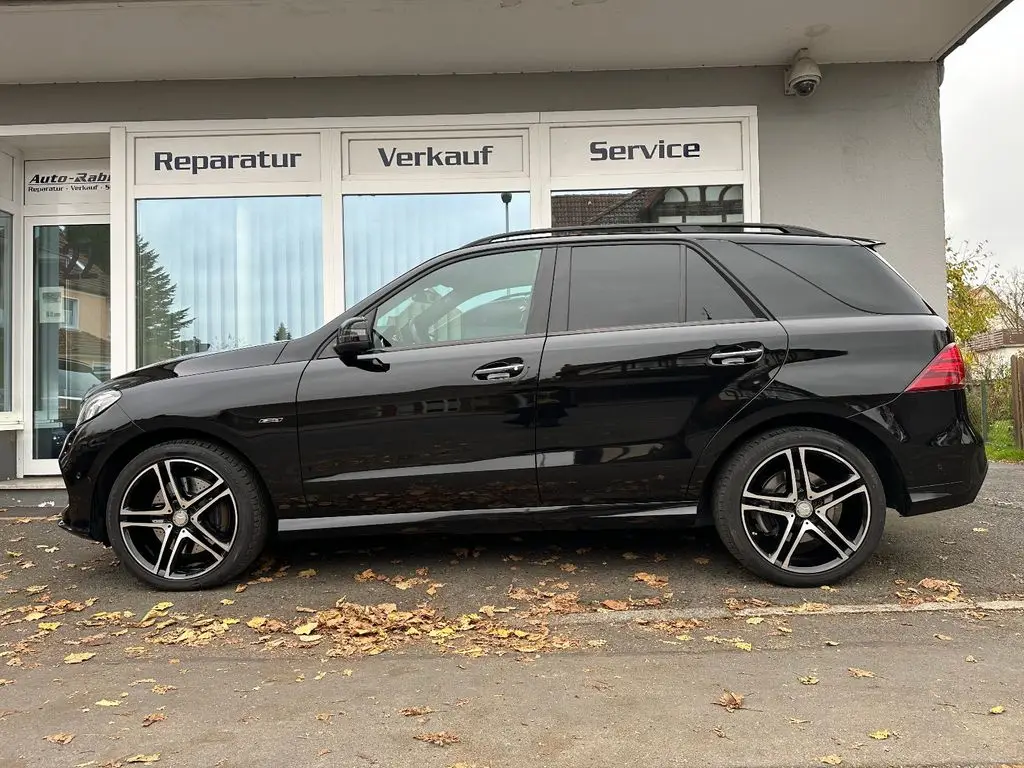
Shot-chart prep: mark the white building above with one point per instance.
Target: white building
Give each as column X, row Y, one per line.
column 180, row 175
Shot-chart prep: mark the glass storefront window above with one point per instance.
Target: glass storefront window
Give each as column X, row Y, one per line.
column 72, row 269
column 668, row 205
column 219, row 273
column 6, row 257
column 386, row 235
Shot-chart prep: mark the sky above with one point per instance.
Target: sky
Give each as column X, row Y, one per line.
column 982, row 102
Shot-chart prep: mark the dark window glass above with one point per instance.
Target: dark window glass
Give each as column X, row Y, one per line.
column 612, row 286
column 783, row 293
column 709, row 296
column 851, row 273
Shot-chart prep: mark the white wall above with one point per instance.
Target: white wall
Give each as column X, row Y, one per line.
column 861, row 157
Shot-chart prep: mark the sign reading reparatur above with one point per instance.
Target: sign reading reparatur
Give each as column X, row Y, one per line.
column 228, row 159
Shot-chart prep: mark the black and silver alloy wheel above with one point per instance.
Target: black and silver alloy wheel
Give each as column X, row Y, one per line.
column 800, row 507
column 806, row 509
column 187, row 515
column 178, row 519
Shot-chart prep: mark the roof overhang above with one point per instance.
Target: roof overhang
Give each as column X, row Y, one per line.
column 90, row 40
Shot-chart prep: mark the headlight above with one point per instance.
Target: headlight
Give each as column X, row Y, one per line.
column 96, row 404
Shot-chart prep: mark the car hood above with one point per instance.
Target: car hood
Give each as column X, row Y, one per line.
column 203, row 362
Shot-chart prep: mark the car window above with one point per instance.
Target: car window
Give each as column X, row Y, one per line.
column 709, row 295
column 627, row 284
column 478, row 298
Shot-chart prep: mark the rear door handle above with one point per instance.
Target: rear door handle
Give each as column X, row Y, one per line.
column 745, row 356
column 500, row 370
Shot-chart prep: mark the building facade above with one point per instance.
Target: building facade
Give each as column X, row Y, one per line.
column 141, row 220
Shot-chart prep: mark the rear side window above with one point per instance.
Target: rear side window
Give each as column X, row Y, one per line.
column 628, row 284
column 816, row 280
column 709, row 296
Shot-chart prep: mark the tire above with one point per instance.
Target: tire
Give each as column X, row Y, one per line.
column 194, row 509
column 773, row 533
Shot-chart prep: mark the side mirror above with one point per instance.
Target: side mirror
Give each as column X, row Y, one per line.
column 353, row 338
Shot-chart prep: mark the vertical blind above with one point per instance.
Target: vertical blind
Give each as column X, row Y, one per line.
column 386, row 235
column 220, row 273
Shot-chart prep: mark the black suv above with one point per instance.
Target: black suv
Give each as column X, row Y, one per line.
column 786, row 385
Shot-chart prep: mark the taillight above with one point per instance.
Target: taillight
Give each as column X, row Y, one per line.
column 945, row 371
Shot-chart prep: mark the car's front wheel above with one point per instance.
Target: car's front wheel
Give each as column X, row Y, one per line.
column 800, row 507
column 187, row 515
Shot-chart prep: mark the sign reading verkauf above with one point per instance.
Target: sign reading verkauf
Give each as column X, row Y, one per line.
column 639, row 149
column 438, row 156
column 228, row 159
column 49, row 182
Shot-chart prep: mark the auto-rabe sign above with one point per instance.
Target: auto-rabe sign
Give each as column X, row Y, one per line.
column 67, row 181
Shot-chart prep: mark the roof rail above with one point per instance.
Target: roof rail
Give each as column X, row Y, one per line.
column 593, row 229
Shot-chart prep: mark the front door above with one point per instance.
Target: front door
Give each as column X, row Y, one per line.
column 440, row 416
column 69, row 320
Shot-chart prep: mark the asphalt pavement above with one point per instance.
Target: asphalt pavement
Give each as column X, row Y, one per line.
column 575, row 649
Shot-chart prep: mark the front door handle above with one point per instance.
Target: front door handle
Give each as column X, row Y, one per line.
column 743, row 356
column 500, row 370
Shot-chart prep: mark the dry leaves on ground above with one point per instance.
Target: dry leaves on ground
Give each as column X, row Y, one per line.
column 78, row 658
column 440, row 738
column 108, row 703
column 650, row 579
column 307, row 573
column 60, row 738
column 155, row 717
column 809, row 680
column 416, row 711
column 162, row 689
column 730, row 701
column 832, row 760
column 998, row 710
column 615, row 605
column 735, row 642
column 855, row 672
column 144, row 758
column 739, row 604
column 880, row 735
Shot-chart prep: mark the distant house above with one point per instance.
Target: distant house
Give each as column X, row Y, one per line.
column 1003, row 339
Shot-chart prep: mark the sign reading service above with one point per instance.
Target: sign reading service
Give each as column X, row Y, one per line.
column 593, row 151
column 436, row 157
column 227, row 159
column 49, row 182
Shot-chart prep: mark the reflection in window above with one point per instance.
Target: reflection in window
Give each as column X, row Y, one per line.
column 6, row 255
column 667, row 205
column 386, row 235
column 220, row 273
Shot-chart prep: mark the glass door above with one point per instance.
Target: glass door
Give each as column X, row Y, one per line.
column 70, row 350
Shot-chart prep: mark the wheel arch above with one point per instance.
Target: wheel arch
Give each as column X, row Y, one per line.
column 124, row 453
column 870, row 444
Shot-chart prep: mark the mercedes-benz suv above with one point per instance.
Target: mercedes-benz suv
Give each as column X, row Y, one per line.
column 785, row 385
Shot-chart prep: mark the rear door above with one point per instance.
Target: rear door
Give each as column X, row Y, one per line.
column 650, row 351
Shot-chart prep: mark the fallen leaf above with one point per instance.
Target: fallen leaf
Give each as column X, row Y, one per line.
column 347, row 673
column 156, row 717
column 615, row 605
column 831, row 643
column 880, row 735
column 226, row 601
column 755, row 620
column 35, row 616
column 832, row 760
column 440, row 738
column 305, row 629
column 809, row 680
column 860, row 672
column 567, row 567
column 798, row 721
column 5, row 682
column 743, row 646
column 108, row 703
column 730, row 701
column 943, row 637
column 308, row 573
column 241, row 587
column 256, row 622
column 630, row 556
column 323, row 752
column 320, row 675
column 719, row 732
column 78, row 658
column 35, row 589
column 324, row 717
column 144, row 758
column 980, row 530
column 48, row 626
column 827, row 588
column 997, row 710
column 702, row 560
column 596, row 643
column 650, row 579
column 162, row 689
column 60, row 738
column 971, row 660
column 415, row 711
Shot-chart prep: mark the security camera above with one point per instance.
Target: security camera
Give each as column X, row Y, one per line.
column 803, row 75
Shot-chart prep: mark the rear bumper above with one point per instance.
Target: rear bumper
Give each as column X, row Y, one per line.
column 921, row 501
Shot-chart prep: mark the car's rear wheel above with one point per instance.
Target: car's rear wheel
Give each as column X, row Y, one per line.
column 799, row 507
column 187, row 515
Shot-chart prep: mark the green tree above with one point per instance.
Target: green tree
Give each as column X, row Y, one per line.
column 282, row 333
column 160, row 324
column 970, row 311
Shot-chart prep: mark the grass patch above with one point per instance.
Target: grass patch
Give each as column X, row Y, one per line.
column 1000, row 445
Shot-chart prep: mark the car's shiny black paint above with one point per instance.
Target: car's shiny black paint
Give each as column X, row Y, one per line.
column 628, row 425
